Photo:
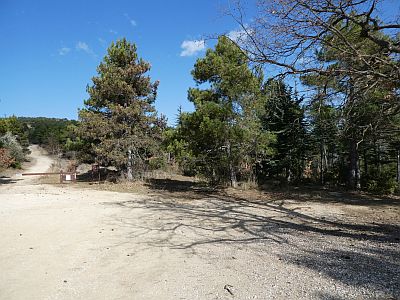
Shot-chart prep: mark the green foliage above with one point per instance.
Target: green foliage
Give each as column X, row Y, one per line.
column 45, row 131
column 357, row 131
column 17, row 128
column 11, row 124
column 323, row 118
column 284, row 117
column 158, row 162
column 381, row 181
column 119, row 123
column 14, row 154
column 223, row 136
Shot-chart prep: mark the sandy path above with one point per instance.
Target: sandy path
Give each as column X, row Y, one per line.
column 39, row 162
column 58, row 242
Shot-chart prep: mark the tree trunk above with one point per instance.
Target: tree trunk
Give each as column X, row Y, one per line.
column 233, row 176
column 288, row 175
column 398, row 168
column 129, row 174
column 322, row 164
column 365, row 163
column 354, row 174
column 326, row 158
column 232, row 172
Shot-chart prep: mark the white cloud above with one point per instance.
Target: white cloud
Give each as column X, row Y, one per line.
column 132, row 21
column 113, row 31
column 236, row 35
column 239, row 36
column 64, row 51
column 82, row 46
column 191, row 48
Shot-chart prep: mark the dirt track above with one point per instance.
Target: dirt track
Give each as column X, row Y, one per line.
column 60, row 242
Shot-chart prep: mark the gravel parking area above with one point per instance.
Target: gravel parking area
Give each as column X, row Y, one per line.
column 65, row 242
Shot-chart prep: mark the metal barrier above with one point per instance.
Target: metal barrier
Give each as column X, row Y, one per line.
column 64, row 176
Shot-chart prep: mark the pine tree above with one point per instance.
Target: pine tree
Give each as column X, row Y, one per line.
column 364, row 104
column 119, row 119
column 284, row 117
column 224, row 132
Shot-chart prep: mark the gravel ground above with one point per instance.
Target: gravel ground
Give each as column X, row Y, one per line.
column 65, row 242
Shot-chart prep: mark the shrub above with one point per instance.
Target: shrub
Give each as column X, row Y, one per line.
column 5, row 158
column 15, row 150
column 381, row 182
column 157, row 163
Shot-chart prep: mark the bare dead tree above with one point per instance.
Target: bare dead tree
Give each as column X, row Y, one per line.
column 288, row 33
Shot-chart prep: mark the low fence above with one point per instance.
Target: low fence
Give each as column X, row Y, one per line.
column 64, row 176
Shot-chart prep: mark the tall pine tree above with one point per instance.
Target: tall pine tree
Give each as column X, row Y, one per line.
column 119, row 119
column 224, row 132
column 284, row 117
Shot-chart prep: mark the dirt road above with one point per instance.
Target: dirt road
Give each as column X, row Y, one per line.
column 61, row 242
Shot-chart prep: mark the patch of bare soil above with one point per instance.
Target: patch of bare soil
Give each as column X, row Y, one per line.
column 178, row 239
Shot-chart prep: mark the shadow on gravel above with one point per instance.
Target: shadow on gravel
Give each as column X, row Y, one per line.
column 361, row 267
column 8, row 180
column 317, row 194
column 310, row 193
column 187, row 216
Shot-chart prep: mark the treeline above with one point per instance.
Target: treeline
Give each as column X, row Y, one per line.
column 245, row 128
column 48, row 131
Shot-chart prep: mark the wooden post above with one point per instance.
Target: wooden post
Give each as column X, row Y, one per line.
column 398, row 168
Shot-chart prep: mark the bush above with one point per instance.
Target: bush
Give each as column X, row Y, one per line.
column 6, row 160
column 157, row 163
column 381, row 182
column 15, row 150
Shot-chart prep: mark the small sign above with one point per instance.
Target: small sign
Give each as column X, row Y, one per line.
column 18, row 175
column 67, row 177
column 95, row 168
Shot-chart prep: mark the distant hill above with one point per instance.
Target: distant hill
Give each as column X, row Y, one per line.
column 42, row 130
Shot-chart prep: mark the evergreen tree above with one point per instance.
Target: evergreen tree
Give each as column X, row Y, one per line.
column 323, row 122
column 119, row 119
column 284, row 117
column 224, row 132
column 364, row 104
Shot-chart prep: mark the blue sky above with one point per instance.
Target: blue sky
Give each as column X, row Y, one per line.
column 50, row 49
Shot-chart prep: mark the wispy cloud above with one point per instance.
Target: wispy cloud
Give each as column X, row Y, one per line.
column 190, row 48
column 113, row 31
column 102, row 41
column 64, row 51
column 131, row 21
column 239, row 36
column 82, row 46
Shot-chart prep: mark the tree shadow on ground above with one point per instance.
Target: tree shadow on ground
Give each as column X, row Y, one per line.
column 188, row 216
column 303, row 193
column 103, row 176
column 8, row 180
column 172, row 186
column 360, row 267
column 320, row 194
